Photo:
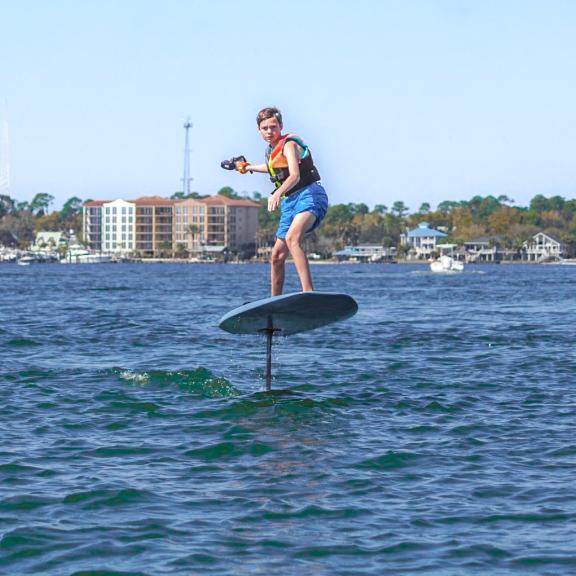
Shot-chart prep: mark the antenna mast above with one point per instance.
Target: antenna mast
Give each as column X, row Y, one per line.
column 186, row 176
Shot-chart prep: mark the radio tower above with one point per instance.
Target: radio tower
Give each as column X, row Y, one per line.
column 186, row 176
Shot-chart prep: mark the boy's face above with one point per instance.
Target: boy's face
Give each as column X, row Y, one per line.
column 270, row 130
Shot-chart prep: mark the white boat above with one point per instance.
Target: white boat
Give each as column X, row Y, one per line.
column 446, row 263
column 77, row 254
column 36, row 258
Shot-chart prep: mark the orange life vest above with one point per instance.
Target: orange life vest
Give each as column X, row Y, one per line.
column 277, row 164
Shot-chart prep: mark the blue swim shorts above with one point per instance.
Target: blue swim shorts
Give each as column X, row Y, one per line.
column 312, row 198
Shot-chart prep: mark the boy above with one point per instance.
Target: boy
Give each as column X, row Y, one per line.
column 302, row 200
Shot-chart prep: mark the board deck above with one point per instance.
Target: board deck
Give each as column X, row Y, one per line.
column 289, row 313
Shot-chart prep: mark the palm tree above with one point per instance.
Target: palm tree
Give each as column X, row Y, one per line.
column 192, row 230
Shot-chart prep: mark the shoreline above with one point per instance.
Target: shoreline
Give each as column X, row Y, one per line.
column 311, row 262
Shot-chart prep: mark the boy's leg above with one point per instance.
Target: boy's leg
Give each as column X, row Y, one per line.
column 279, row 255
column 301, row 223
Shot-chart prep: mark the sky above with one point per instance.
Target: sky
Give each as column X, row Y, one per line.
column 413, row 100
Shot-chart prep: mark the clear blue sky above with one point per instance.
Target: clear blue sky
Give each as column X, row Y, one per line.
column 415, row 100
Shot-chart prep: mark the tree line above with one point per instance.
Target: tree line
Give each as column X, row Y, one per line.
column 20, row 221
column 345, row 224
column 481, row 216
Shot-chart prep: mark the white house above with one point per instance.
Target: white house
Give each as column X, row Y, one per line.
column 366, row 253
column 422, row 240
column 543, row 247
column 48, row 241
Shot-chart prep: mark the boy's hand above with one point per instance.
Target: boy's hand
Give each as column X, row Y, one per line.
column 241, row 166
column 274, row 201
column 238, row 163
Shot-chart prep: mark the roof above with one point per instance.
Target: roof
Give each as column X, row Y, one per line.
column 188, row 202
column 552, row 237
column 424, row 230
column 152, row 201
column 484, row 240
column 217, row 200
column 220, row 200
column 96, row 203
column 46, row 234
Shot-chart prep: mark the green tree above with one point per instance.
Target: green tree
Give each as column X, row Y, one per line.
column 424, row 208
column 503, row 199
column 180, row 250
column 371, row 228
column 71, row 206
column 192, row 231
column 48, row 222
column 570, row 208
column 228, row 192
column 339, row 224
column 267, row 224
column 22, row 206
column 182, row 196
column 7, row 205
column 447, row 206
column 41, row 203
column 556, row 204
column 380, row 209
column 503, row 220
column 358, row 209
column 539, row 203
column 399, row 209
column 18, row 228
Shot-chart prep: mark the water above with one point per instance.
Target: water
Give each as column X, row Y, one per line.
column 433, row 433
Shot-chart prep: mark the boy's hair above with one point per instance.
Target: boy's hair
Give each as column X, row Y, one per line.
column 267, row 113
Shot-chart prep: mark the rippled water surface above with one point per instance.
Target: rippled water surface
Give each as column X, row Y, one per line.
column 433, row 433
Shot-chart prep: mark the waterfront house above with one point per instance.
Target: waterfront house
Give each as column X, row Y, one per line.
column 488, row 249
column 482, row 249
column 542, row 247
column 48, row 241
column 366, row 253
column 421, row 241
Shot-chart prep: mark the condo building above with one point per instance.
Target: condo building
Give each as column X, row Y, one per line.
column 108, row 226
column 216, row 221
column 189, row 225
column 92, row 224
column 118, row 226
column 155, row 226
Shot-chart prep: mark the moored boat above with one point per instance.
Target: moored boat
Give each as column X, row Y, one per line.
column 446, row 262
